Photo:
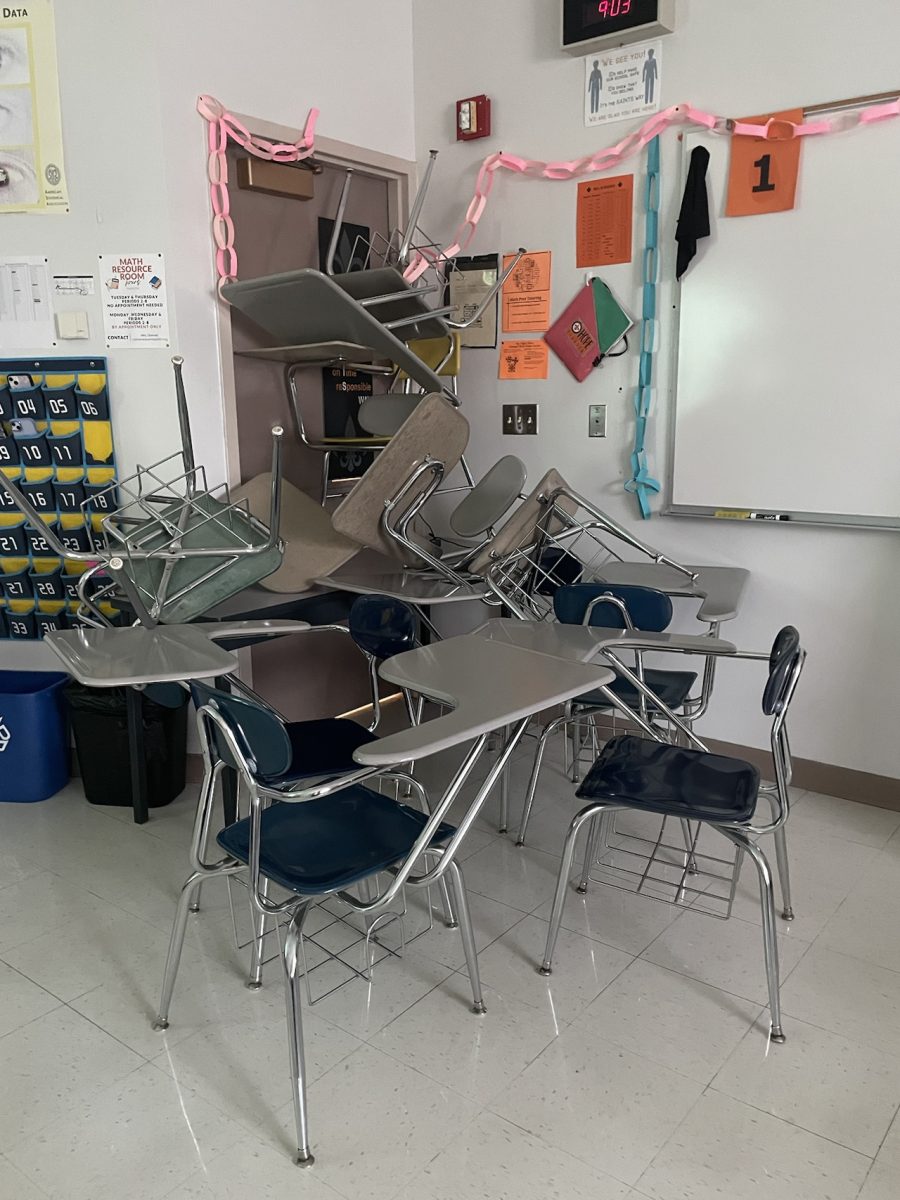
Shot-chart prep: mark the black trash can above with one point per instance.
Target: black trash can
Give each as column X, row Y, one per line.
column 100, row 727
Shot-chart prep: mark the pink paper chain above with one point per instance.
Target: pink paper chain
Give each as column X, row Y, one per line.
column 223, row 125
column 614, row 156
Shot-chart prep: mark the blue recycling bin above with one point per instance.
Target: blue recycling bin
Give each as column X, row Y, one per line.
column 34, row 735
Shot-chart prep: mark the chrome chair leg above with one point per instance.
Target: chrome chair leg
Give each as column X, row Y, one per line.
column 468, row 936
column 784, row 873
column 692, row 867
column 326, row 462
column 451, row 920
column 591, row 849
column 547, row 733
column 770, row 940
column 258, row 922
column 195, row 903
column 176, row 944
column 562, row 882
column 292, row 971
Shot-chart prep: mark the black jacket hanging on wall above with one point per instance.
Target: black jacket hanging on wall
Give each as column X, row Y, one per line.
column 693, row 220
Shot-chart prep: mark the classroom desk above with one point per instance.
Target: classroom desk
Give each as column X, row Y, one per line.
column 491, row 685
column 134, row 657
column 582, row 643
column 721, row 589
column 410, row 586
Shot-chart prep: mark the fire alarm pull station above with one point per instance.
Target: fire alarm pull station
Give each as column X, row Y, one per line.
column 473, row 118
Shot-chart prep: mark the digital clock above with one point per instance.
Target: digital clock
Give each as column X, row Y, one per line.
column 594, row 24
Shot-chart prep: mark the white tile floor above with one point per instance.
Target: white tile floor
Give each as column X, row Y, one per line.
column 639, row 1069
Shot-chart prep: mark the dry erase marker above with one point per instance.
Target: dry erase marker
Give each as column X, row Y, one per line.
column 769, row 517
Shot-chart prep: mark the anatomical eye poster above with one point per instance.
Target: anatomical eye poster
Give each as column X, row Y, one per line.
column 32, row 171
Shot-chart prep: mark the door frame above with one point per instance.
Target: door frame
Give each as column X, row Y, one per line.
column 400, row 175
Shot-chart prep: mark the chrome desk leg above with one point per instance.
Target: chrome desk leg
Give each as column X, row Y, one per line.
column 770, row 941
column 468, row 936
column 562, row 882
column 134, row 705
column 176, row 944
column 326, row 462
column 548, row 731
column 504, row 789
column 292, row 968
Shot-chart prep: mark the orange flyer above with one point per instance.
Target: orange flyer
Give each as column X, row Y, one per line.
column 524, row 360
column 764, row 171
column 526, row 294
column 605, row 221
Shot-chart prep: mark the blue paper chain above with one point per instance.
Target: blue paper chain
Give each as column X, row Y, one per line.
column 642, row 484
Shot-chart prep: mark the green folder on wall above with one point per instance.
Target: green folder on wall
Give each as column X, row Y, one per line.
column 613, row 322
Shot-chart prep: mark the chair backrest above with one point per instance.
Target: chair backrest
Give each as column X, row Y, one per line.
column 649, row 610
column 782, row 663
column 382, row 626
column 490, row 498
column 434, row 429
column 259, row 733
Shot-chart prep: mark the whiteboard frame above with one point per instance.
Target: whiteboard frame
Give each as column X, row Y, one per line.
column 716, row 512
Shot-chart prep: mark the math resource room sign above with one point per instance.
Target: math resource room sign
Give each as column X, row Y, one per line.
column 135, row 306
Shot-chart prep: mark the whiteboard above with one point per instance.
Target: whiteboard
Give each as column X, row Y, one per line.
column 787, row 372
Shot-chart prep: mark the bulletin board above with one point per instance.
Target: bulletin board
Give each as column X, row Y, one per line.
column 785, row 398
column 56, row 443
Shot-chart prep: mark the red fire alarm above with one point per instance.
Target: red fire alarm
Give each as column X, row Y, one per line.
column 473, row 118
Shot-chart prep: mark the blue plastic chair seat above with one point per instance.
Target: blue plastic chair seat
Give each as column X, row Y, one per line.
column 323, row 747
column 320, row 846
column 635, row 772
column 672, row 687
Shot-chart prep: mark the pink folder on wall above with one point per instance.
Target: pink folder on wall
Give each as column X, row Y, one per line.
column 573, row 337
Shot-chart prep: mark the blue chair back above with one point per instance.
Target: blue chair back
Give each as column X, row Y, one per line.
column 260, row 734
column 382, row 627
column 649, row 610
column 782, row 660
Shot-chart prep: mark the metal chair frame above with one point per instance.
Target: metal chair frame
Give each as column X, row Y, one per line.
column 439, row 863
column 743, row 836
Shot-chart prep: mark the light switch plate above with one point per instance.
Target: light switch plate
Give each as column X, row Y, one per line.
column 72, row 326
column 520, row 418
column 597, row 420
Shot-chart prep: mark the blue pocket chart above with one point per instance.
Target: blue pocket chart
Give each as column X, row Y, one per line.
column 56, row 443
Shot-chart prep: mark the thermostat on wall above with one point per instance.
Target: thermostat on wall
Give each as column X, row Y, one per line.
column 596, row 24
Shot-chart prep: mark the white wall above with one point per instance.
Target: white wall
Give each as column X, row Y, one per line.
column 838, row 587
column 130, row 74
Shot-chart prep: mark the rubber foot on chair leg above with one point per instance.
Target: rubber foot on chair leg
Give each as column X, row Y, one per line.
column 503, row 829
column 452, row 924
column 479, row 1009
column 582, row 891
column 160, row 1026
column 777, row 1035
column 194, row 908
column 254, row 984
column 519, row 845
column 545, row 970
column 788, row 914
column 303, row 1159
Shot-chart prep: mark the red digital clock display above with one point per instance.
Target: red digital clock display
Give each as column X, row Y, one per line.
column 583, row 20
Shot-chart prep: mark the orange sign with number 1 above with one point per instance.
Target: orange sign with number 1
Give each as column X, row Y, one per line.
column 764, row 171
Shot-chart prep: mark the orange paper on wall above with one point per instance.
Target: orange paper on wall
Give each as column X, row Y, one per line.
column 605, row 221
column 524, row 360
column 526, row 294
column 764, row 171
